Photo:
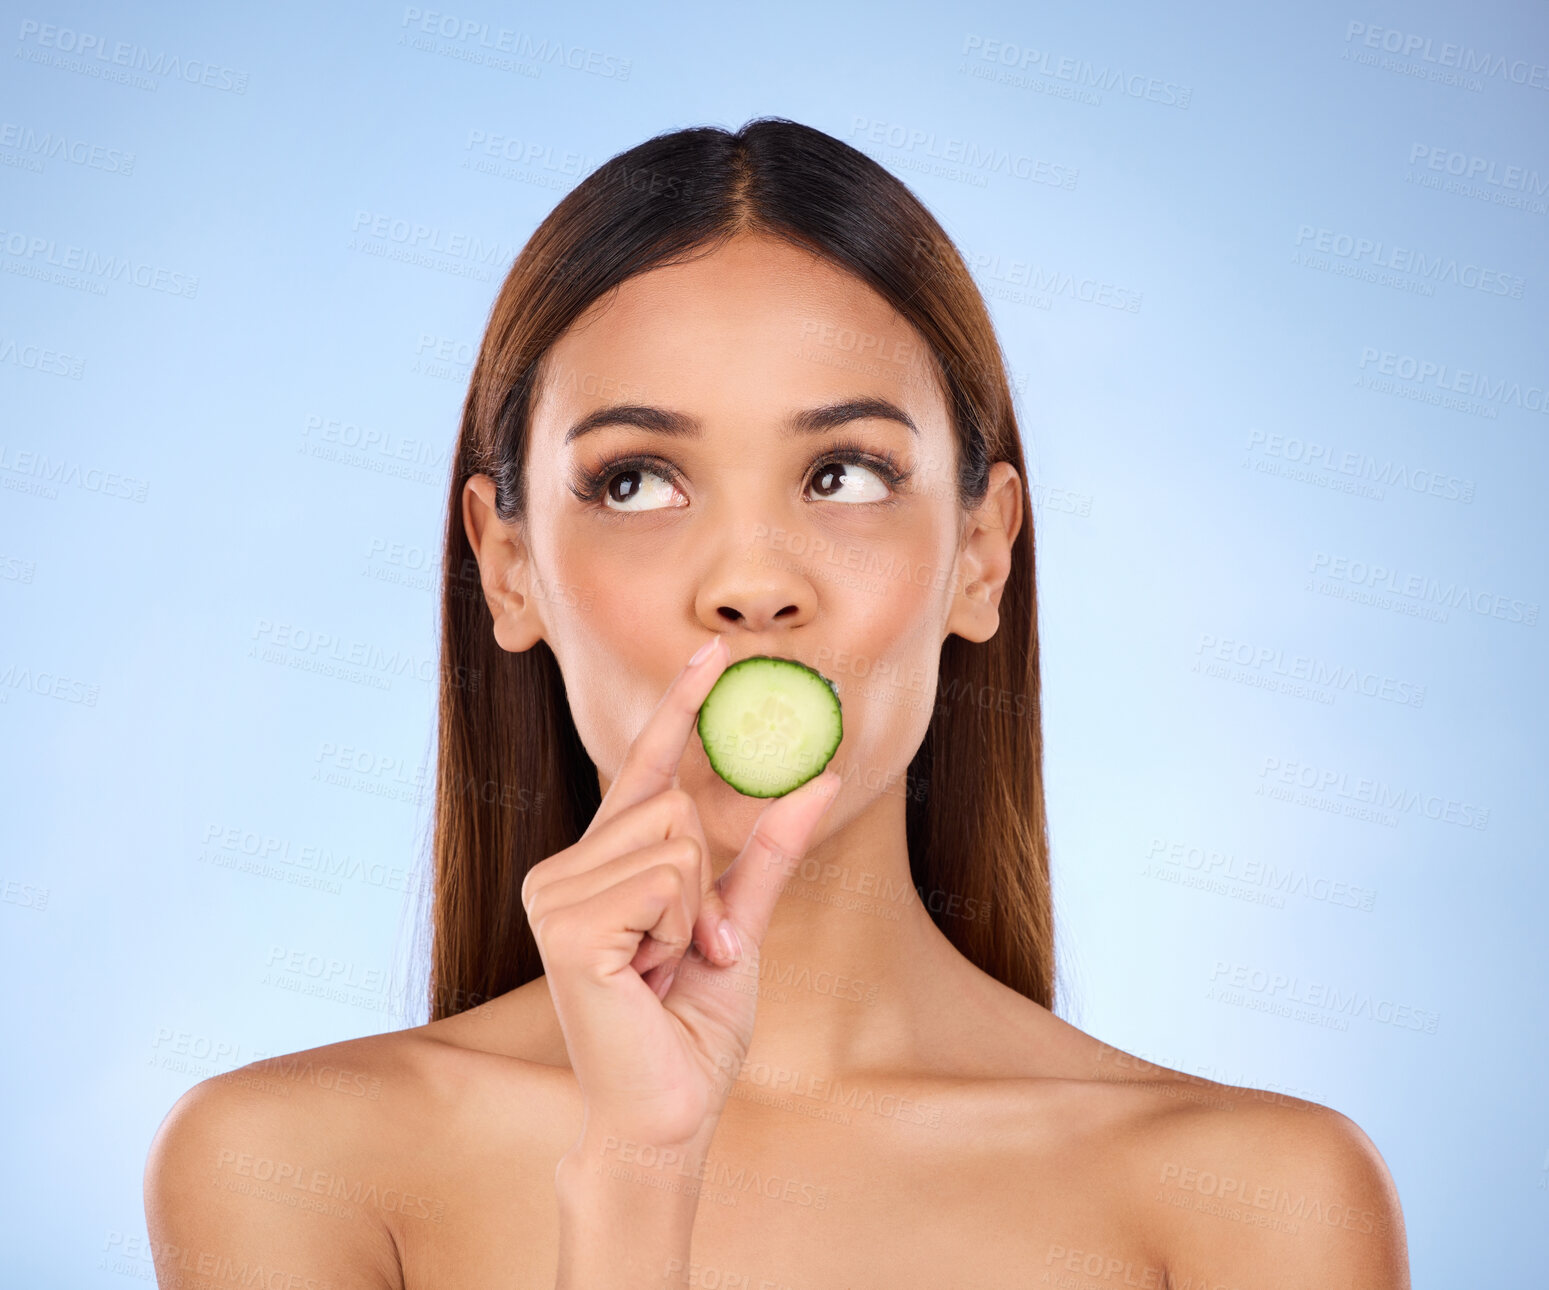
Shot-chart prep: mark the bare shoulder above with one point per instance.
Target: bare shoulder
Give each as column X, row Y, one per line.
column 1240, row 1186
column 296, row 1165
column 341, row 1165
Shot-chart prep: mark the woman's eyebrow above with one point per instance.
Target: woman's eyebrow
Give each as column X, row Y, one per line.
column 682, row 425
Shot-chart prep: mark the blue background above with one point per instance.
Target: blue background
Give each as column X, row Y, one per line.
column 1295, row 698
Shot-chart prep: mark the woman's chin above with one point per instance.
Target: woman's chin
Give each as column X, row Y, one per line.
column 726, row 815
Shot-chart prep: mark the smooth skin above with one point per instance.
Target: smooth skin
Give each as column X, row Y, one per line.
column 621, row 908
column 872, row 1110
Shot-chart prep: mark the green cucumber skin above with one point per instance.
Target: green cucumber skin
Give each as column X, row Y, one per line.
column 732, row 767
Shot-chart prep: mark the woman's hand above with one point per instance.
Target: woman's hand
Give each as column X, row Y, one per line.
column 657, row 1014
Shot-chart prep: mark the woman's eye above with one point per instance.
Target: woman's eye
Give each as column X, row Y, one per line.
column 625, row 488
column 635, row 487
column 849, row 481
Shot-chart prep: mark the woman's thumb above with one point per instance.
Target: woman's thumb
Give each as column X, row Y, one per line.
column 754, row 880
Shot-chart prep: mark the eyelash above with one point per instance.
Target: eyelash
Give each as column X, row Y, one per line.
column 589, row 485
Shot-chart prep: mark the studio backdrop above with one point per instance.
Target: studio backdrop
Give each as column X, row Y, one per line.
column 1272, row 286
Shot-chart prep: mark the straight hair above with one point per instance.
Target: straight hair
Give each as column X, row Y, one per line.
column 514, row 784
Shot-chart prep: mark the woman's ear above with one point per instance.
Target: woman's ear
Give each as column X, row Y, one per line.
column 504, row 568
column 985, row 561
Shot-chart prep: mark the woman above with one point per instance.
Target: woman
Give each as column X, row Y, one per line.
column 737, row 396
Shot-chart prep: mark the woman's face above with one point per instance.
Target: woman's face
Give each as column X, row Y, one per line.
column 756, row 517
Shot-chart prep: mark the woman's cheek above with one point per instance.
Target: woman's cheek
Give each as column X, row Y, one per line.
column 891, row 727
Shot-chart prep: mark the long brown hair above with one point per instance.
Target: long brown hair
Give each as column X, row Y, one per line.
column 514, row 783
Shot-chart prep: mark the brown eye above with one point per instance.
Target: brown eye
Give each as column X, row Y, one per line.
column 623, row 486
column 848, row 481
column 626, row 488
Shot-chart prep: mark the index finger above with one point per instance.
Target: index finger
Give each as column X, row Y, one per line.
column 651, row 764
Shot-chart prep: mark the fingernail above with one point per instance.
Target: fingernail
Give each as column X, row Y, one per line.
column 703, row 652
column 731, row 944
column 665, row 983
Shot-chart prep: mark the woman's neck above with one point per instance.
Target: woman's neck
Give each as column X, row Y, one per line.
column 854, row 974
column 856, row 982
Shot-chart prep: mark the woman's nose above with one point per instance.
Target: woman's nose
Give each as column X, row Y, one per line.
column 756, row 616
column 762, row 590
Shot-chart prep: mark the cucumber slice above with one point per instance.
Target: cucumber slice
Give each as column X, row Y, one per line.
column 770, row 724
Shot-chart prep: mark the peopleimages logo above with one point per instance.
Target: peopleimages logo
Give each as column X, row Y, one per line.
column 1462, row 165
column 505, row 40
column 1323, row 996
column 1433, row 381
column 331, row 655
column 46, row 474
column 394, row 238
column 1279, row 775
column 1325, row 460
column 1081, row 75
column 978, row 159
column 63, row 147
column 1275, row 661
column 1423, row 589
column 1372, row 254
column 35, row 256
column 1445, row 54
column 85, row 45
column 1275, row 879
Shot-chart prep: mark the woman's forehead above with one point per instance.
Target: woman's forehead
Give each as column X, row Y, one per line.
column 772, row 331
column 749, row 287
